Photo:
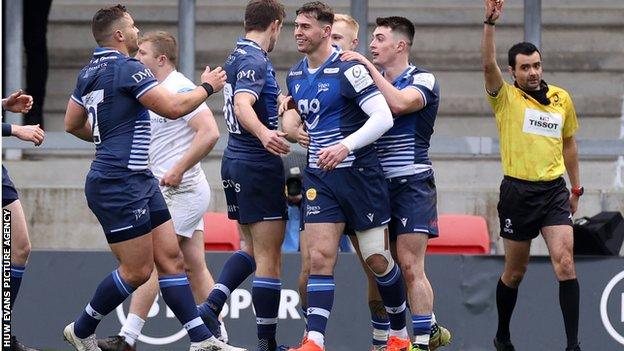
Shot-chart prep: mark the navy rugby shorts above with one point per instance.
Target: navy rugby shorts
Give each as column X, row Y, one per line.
column 127, row 204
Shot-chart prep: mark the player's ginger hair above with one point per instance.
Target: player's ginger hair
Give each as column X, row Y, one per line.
column 350, row 21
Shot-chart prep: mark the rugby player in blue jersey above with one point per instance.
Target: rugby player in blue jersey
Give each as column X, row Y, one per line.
column 344, row 114
column 253, row 173
column 18, row 102
column 413, row 95
column 109, row 106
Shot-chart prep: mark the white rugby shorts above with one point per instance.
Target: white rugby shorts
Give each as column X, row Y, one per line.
column 187, row 205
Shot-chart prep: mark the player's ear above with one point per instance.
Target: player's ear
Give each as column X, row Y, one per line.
column 512, row 72
column 355, row 43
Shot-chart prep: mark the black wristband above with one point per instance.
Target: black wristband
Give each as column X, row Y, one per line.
column 488, row 22
column 209, row 89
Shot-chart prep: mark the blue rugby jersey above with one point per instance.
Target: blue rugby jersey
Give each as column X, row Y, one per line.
column 109, row 88
column 328, row 100
column 404, row 149
column 249, row 70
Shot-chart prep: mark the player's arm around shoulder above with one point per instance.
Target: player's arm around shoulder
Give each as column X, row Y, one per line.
column 400, row 101
column 175, row 105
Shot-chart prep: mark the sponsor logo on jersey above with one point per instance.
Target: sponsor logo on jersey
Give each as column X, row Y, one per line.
column 359, row 78
column 295, row 73
column 425, row 79
column 248, row 74
column 314, row 122
column 542, row 123
column 322, row 87
column 311, row 194
column 142, row 75
column 241, row 51
column 297, row 86
column 331, row 70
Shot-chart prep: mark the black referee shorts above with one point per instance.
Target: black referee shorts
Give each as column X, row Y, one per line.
column 525, row 207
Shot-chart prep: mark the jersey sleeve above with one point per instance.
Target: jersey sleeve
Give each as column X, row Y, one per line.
column 356, row 83
column 193, row 113
column 425, row 84
column 570, row 124
column 135, row 79
column 77, row 94
column 251, row 76
column 500, row 102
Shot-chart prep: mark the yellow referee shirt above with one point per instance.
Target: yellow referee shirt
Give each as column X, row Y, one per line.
column 531, row 134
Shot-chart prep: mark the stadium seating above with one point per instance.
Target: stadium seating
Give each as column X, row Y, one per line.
column 460, row 234
column 220, row 233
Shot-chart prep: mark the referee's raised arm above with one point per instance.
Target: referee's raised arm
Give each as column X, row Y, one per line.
column 493, row 75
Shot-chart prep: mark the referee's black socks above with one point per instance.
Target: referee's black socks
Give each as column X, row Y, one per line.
column 505, row 303
column 569, row 301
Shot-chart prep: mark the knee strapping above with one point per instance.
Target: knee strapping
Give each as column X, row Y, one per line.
column 374, row 242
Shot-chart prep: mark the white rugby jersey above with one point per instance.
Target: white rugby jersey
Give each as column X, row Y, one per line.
column 172, row 138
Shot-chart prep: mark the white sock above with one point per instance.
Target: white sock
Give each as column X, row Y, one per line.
column 433, row 319
column 422, row 339
column 402, row 333
column 317, row 337
column 132, row 328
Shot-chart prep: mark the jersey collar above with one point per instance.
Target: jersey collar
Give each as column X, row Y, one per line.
column 100, row 51
column 407, row 73
column 248, row 42
column 334, row 55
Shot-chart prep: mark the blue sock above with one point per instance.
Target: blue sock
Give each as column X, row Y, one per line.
column 111, row 292
column 304, row 313
column 16, row 280
column 422, row 328
column 380, row 330
column 236, row 269
column 320, row 301
column 177, row 293
column 265, row 294
column 392, row 291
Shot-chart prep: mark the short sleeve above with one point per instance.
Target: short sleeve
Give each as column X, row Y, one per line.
column 135, row 79
column 501, row 101
column 77, row 94
column 193, row 113
column 425, row 84
column 356, row 83
column 570, row 124
column 251, row 76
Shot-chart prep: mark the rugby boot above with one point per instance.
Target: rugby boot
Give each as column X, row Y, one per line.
column 211, row 320
column 87, row 344
column 18, row 346
column 115, row 343
column 398, row 344
column 440, row 336
column 308, row 345
column 419, row 348
column 503, row 345
column 213, row 344
column 379, row 348
column 575, row 348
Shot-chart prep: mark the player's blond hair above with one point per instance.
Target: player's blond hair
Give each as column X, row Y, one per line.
column 164, row 43
column 350, row 21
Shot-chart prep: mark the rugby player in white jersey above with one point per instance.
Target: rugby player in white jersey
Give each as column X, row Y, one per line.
column 176, row 148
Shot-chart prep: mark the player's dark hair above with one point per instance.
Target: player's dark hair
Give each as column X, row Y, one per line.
column 398, row 24
column 524, row 48
column 103, row 21
column 163, row 43
column 321, row 11
column 259, row 14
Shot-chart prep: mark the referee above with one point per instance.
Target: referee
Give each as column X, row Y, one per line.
column 536, row 125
